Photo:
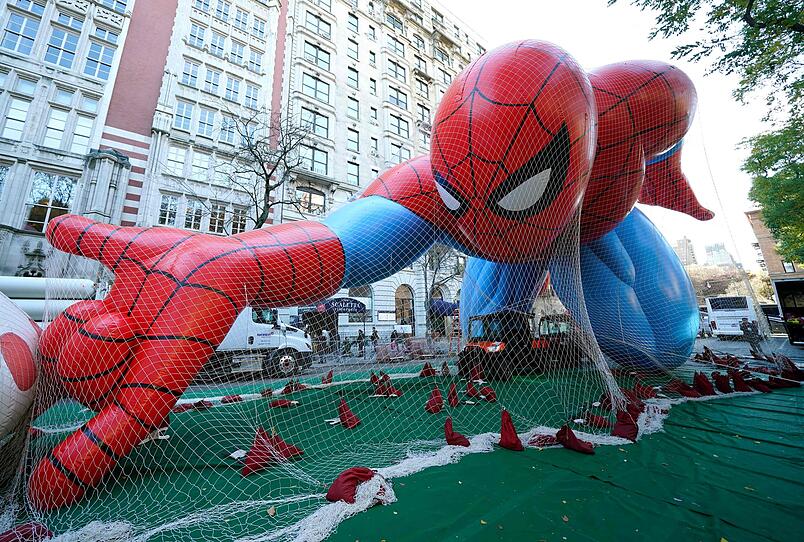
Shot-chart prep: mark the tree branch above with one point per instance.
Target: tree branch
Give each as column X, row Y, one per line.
column 753, row 23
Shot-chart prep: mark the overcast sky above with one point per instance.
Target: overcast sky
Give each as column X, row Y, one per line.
column 595, row 35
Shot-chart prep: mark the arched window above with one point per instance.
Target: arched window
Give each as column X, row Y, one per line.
column 365, row 295
column 403, row 302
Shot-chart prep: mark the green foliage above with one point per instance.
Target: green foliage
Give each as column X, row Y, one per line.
column 777, row 165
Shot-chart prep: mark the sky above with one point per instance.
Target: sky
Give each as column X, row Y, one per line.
column 595, row 35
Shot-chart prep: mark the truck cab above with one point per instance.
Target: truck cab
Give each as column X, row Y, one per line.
column 259, row 342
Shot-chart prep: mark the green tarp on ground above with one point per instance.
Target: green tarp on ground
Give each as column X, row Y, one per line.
column 730, row 469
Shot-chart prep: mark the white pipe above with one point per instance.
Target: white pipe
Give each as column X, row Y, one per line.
column 41, row 288
column 37, row 308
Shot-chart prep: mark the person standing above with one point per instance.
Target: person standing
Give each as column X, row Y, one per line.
column 375, row 338
column 361, row 343
column 751, row 335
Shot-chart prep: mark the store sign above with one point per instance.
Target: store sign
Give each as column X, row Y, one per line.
column 345, row 305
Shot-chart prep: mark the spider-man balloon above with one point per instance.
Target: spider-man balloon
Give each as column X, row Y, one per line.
column 523, row 141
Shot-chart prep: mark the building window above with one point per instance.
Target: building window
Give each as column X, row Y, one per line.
column 189, row 75
column 203, row 5
column 437, row 17
column 445, row 77
column 184, row 116
column 89, row 104
column 315, row 160
column 20, row 32
column 167, row 210
column 15, row 118
column 316, row 55
column 352, row 140
column 61, row 48
column 424, row 113
column 310, row 200
column 315, row 88
column 222, row 10
column 106, row 35
column 353, row 173
column 422, row 88
column 352, row 108
column 318, row 25
column 373, row 113
column 212, row 81
column 255, row 61
column 56, row 124
column 397, row 97
column 3, row 176
column 420, row 63
column 232, row 89
column 789, row 267
column 241, row 19
column 236, row 53
column 373, row 86
column 200, row 166
column 403, row 303
column 217, row 44
column 239, row 216
column 424, row 139
column 252, row 94
column 193, row 214
column 315, row 122
column 353, row 23
column 175, row 161
column 352, row 78
column 352, row 50
column 206, row 122
column 63, row 97
column 81, row 134
column 396, row 46
column 441, row 55
column 116, row 5
column 99, row 61
column 51, row 196
column 399, row 126
column 372, row 33
column 396, row 71
column 375, row 145
column 324, row 4
column 258, row 28
column 372, row 58
column 399, row 153
column 217, row 218
column 197, row 35
column 418, row 42
column 394, row 21
column 227, row 130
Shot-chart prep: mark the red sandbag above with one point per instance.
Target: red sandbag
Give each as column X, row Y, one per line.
column 476, row 373
column 702, row 385
column 348, row 418
column 543, row 441
column 427, row 370
column 445, row 369
column 682, row 388
column 26, row 532
column 739, row 383
column 644, row 392
column 281, row 403
column 386, row 389
column 568, row 440
column 776, row 382
column 758, row 385
column 435, row 403
column 722, row 382
column 384, row 377
column 508, row 437
column 374, row 379
column 633, row 398
column 267, row 392
column 265, row 450
column 596, row 421
column 452, row 396
column 231, row 399
column 471, row 391
column 203, row 404
column 344, row 488
column 488, row 394
column 183, row 407
column 292, row 387
column 454, row 438
column 327, row 378
column 605, row 402
column 626, row 426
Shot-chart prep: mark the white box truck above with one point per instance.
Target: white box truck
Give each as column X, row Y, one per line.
column 259, row 342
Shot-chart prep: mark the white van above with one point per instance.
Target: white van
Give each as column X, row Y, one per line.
column 259, row 342
column 726, row 313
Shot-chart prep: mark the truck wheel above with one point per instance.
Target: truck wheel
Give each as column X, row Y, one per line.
column 285, row 363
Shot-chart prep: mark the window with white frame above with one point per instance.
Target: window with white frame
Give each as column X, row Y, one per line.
column 418, row 42
column 106, row 35
column 424, row 139
column 63, row 96
column 16, row 115
column 396, row 71
column 422, row 88
column 325, row 4
column 239, row 218
column 352, row 140
column 168, row 205
column 189, row 75
column 394, row 21
column 99, row 60
column 197, row 35
column 193, row 214
column 203, row 5
column 423, row 112
column 81, row 134
column 56, row 124
column 352, row 23
column 89, row 104
column 252, row 96
column 222, row 10
column 212, row 81
column 420, row 63
column 316, row 55
column 352, row 50
column 200, row 165
column 399, row 126
column 352, row 108
column 372, row 86
column 232, row 89
column 206, row 122
column 61, row 47
column 315, row 122
column 3, row 175
column 352, row 78
column 373, row 113
column 116, row 5
column 258, row 28
column 313, row 159
column 318, row 25
column 372, row 33
column 353, row 173
column 399, row 153
column 441, row 55
column 175, row 160
column 310, row 200
column 20, row 31
column 241, row 19
column 227, row 133
column 236, row 53
column 417, row 18
column 396, row 45
column 397, row 97
column 315, row 88
column 184, row 116
column 217, row 218
column 445, row 76
column 255, row 61
column 217, row 44
column 51, row 195
column 375, row 145
column 372, row 58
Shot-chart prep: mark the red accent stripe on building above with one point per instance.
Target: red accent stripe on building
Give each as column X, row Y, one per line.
column 134, row 155
column 125, row 140
column 130, row 210
column 126, row 223
column 137, row 169
column 133, row 197
column 279, row 67
column 135, row 183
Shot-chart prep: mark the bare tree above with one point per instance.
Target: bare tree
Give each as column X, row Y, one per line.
column 438, row 267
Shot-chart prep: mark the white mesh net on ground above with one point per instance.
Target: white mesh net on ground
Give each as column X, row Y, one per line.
column 179, row 407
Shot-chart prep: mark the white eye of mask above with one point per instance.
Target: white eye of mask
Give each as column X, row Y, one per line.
column 526, row 194
column 449, row 200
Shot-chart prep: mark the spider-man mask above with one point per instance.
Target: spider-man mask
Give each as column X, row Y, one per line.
column 512, row 147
